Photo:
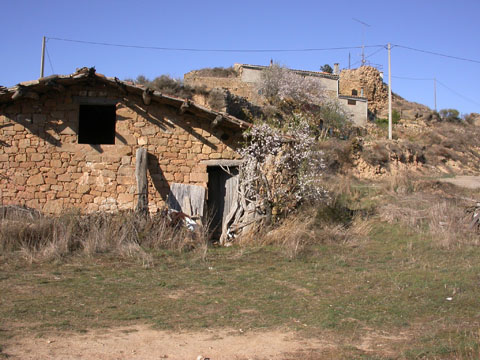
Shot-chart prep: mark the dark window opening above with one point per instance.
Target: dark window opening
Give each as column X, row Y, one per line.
column 225, row 137
column 354, row 92
column 96, row 124
column 352, row 102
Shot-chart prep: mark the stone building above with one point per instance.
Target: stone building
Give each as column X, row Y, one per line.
column 70, row 142
column 248, row 78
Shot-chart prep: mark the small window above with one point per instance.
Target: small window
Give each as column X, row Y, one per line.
column 352, row 102
column 354, row 92
column 96, row 124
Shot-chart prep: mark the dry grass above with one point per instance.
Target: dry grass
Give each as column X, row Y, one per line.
column 426, row 210
column 294, row 235
column 383, row 263
column 328, row 223
column 126, row 235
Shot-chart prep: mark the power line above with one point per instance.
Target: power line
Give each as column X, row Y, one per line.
column 369, row 56
column 458, row 94
column 49, row 60
column 211, row 50
column 411, row 78
column 438, row 54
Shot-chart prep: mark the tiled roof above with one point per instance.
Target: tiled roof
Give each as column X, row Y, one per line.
column 32, row 89
column 300, row 72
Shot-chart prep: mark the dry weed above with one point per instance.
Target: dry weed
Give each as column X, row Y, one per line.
column 293, row 235
column 400, row 183
column 449, row 225
column 299, row 233
column 445, row 220
column 125, row 235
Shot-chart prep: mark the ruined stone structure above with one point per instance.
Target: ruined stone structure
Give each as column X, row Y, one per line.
column 248, row 78
column 70, row 142
column 368, row 81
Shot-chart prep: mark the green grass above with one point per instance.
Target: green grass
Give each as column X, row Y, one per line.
column 396, row 282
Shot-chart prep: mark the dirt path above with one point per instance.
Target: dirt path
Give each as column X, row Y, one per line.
column 468, row 181
column 142, row 342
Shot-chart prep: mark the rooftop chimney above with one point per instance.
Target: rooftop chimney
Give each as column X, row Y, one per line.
column 336, row 70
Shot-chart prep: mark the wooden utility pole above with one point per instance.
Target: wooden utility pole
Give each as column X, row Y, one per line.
column 141, row 176
column 42, row 64
column 435, row 92
column 389, row 93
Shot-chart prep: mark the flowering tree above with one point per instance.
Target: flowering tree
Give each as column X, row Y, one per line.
column 282, row 163
column 281, row 169
column 281, row 83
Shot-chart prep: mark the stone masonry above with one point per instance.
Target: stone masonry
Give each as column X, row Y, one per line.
column 43, row 166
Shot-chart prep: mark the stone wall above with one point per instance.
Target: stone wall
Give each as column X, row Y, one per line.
column 247, row 82
column 367, row 78
column 249, row 77
column 234, row 85
column 43, row 166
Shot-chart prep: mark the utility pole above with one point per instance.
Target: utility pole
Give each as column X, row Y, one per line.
column 389, row 92
column 435, row 92
column 42, row 64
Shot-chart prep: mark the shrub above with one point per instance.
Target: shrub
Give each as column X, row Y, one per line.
column 220, row 72
column 216, row 99
column 395, row 116
column 383, row 122
column 169, row 86
column 334, row 117
column 450, row 115
column 326, row 68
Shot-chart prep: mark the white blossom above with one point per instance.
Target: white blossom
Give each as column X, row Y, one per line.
column 282, row 167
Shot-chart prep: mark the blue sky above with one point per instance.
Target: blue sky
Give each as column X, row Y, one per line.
column 447, row 27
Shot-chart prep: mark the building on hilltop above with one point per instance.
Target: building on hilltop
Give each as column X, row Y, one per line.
column 70, row 142
column 248, row 77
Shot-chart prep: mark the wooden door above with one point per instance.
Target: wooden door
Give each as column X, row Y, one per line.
column 222, row 186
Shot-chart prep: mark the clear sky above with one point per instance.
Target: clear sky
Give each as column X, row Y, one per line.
column 443, row 26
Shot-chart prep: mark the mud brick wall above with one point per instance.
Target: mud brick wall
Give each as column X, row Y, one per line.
column 43, row 166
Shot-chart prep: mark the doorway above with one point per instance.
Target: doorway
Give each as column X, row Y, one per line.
column 222, row 186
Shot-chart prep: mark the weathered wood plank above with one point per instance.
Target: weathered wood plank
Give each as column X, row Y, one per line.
column 141, row 176
column 189, row 199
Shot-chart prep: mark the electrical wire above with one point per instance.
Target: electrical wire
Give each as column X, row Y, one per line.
column 49, row 60
column 211, row 50
column 458, row 94
column 410, row 78
column 366, row 57
column 437, row 54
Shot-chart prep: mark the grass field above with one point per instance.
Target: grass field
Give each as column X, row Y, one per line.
column 415, row 297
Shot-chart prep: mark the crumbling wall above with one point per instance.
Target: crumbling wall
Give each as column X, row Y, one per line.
column 234, row 85
column 375, row 90
column 43, row 166
column 367, row 78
